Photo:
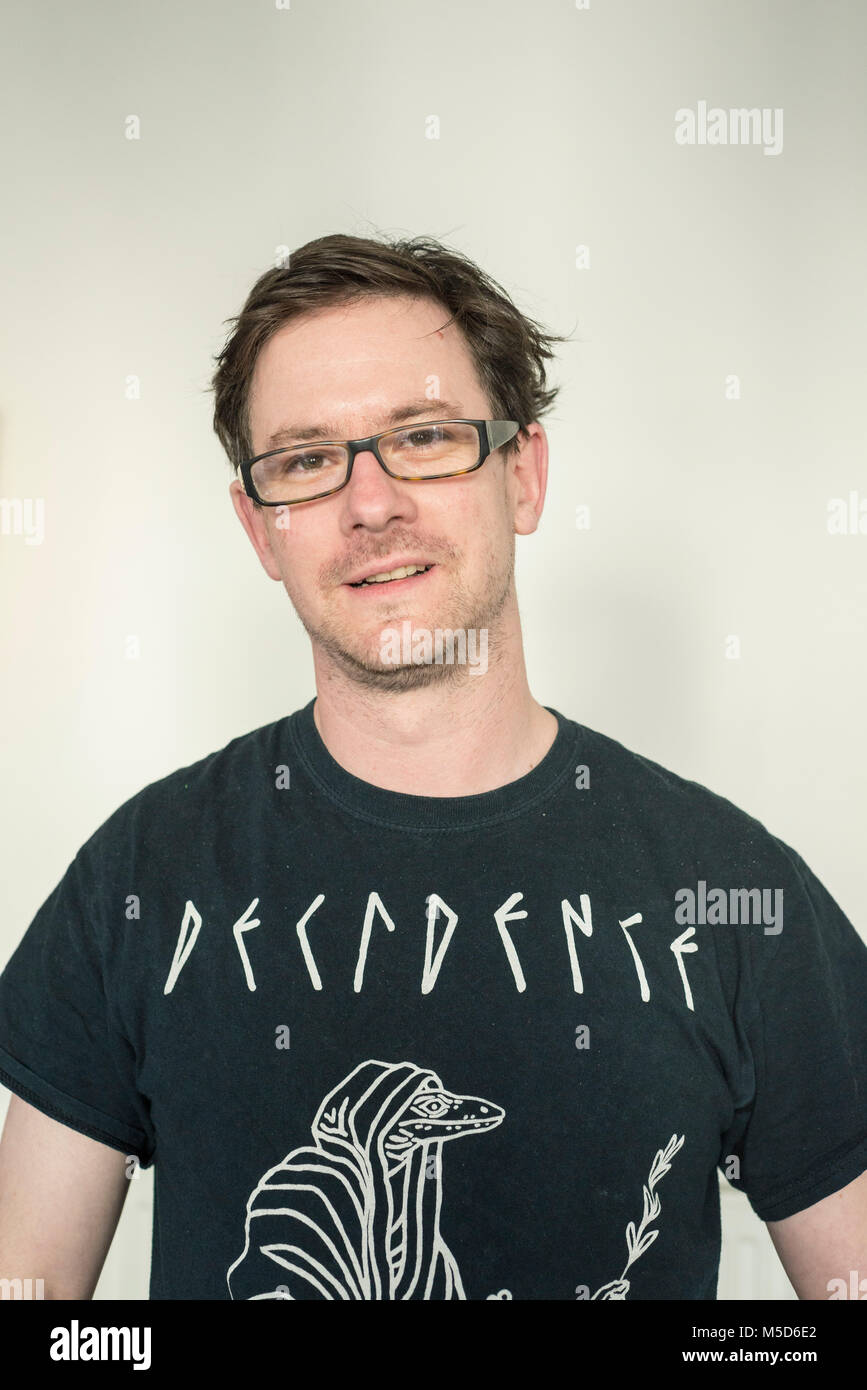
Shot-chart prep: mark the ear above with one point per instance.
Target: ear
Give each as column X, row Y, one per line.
column 253, row 520
column 527, row 473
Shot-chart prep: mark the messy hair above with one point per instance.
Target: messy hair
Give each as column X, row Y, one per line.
column 509, row 349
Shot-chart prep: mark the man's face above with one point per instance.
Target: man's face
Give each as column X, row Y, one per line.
column 346, row 368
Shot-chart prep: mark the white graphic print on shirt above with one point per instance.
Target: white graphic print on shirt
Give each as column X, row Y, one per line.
column 357, row 1215
column 191, row 925
column 639, row 1241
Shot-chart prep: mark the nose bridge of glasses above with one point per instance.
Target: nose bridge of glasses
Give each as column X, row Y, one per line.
column 365, row 448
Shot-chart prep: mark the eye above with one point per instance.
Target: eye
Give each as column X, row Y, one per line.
column 303, row 463
column 421, row 438
column 432, row 1107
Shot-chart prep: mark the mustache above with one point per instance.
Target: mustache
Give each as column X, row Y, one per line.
column 434, row 554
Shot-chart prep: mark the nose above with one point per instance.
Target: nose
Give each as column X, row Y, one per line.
column 371, row 496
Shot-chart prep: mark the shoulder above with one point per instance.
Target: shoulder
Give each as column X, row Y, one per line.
column 640, row 797
column 183, row 799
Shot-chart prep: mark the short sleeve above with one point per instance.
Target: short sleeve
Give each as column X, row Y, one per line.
column 60, row 1047
column 806, row 1131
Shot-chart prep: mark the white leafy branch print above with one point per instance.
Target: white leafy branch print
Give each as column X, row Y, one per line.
column 637, row 1241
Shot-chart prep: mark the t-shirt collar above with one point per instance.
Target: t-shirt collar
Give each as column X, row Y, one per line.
column 408, row 811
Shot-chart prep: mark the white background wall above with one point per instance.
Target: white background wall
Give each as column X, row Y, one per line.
column 261, row 128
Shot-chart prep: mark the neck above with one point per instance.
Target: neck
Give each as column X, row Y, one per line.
column 456, row 737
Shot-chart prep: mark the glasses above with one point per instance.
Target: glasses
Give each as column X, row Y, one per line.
column 413, row 453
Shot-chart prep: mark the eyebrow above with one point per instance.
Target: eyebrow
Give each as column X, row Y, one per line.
column 430, row 409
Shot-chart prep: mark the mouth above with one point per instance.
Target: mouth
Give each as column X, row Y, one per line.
column 405, row 577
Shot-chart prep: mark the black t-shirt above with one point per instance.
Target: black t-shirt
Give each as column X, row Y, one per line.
column 384, row 1046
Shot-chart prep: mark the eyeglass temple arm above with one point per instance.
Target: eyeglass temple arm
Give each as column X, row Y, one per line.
column 501, row 431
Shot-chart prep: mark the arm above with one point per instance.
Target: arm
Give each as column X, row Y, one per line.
column 61, row 1195
column 826, row 1241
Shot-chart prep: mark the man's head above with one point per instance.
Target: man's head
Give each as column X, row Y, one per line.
column 344, row 334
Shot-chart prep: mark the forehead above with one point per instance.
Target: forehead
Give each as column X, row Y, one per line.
column 347, row 365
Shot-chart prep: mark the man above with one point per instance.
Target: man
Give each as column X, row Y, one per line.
column 424, row 991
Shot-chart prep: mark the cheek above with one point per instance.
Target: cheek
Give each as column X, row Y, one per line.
column 282, row 557
column 281, row 525
column 295, row 550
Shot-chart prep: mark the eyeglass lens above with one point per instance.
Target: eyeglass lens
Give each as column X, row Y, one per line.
column 417, row 452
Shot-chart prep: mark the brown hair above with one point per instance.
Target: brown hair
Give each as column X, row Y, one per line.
column 509, row 350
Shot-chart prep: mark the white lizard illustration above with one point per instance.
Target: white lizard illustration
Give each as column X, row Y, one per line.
column 357, row 1214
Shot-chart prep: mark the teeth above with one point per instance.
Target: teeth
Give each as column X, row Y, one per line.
column 401, row 573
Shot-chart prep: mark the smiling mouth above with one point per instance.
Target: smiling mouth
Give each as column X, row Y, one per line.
column 392, row 577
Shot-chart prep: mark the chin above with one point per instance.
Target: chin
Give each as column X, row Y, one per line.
column 372, row 673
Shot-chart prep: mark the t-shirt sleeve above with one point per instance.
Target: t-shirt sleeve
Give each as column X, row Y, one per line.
column 61, row 1047
column 805, row 1134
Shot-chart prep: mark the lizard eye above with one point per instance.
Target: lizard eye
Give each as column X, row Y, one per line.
column 432, row 1107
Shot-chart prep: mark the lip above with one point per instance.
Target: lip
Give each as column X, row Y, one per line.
column 388, row 588
column 385, row 566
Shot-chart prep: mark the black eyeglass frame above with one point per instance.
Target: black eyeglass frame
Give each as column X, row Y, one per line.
column 493, row 434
